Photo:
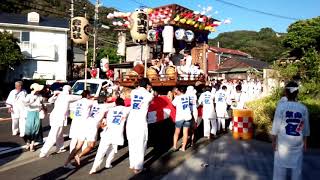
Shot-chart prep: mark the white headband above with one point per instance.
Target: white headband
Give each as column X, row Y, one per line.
column 292, row 89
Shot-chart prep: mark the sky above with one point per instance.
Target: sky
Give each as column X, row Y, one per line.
column 240, row 19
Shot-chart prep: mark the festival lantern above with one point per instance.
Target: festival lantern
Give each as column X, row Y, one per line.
column 79, row 30
column 180, row 34
column 110, row 74
column 167, row 35
column 104, row 64
column 189, row 36
column 153, row 35
column 94, row 73
column 139, row 29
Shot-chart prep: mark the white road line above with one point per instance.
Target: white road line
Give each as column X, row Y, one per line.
column 24, row 146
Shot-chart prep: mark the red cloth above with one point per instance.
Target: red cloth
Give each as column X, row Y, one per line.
column 158, row 104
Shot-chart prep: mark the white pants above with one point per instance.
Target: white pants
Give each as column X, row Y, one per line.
column 55, row 137
column 137, row 148
column 209, row 126
column 18, row 125
column 280, row 173
column 221, row 122
column 105, row 149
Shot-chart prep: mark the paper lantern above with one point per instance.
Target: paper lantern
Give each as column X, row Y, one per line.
column 104, row 64
column 121, row 51
column 110, row 74
column 94, row 73
column 79, row 30
column 189, row 36
column 167, row 35
column 139, row 28
column 180, row 34
column 153, row 35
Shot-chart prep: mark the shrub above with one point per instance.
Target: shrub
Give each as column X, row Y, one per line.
column 264, row 110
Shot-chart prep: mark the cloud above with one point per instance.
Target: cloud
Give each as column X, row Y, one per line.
column 216, row 12
column 227, row 21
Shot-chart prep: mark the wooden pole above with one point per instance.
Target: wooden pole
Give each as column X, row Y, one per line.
column 205, row 61
column 86, row 59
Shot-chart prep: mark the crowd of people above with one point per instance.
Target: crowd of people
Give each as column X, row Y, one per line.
column 113, row 117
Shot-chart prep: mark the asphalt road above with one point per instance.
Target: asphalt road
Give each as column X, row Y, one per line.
column 16, row 163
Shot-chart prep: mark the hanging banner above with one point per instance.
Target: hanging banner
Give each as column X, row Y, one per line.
column 79, row 30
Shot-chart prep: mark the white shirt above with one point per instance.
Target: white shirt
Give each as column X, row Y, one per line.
column 221, row 97
column 33, row 102
column 61, row 107
column 140, row 101
column 183, row 108
column 239, row 100
column 82, row 109
column 15, row 100
column 206, row 99
column 116, row 118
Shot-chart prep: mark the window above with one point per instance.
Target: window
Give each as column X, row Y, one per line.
column 25, row 36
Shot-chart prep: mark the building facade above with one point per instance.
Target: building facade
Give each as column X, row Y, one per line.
column 43, row 42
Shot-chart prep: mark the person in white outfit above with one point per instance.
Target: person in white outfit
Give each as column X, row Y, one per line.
column 183, row 117
column 111, row 136
column 191, row 92
column 17, row 109
column 221, row 107
column 58, row 115
column 78, row 126
column 137, row 125
column 209, row 114
column 290, row 129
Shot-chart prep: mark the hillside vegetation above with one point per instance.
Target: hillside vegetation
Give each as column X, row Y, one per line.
column 265, row 45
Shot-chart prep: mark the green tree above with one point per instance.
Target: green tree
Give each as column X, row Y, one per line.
column 10, row 50
column 264, row 45
column 111, row 52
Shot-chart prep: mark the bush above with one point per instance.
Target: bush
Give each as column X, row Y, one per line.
column 264, row 110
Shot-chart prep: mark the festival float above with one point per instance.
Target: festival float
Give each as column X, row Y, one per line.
column 160, row 37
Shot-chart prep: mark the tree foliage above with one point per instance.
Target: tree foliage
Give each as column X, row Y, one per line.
column 303, row 43
column 264, row 45
column 10, row 50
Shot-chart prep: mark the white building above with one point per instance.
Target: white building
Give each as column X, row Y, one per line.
column 43, row 42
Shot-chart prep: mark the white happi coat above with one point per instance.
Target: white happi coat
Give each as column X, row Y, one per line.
column 15, row 100
column 61, row 108
column 137, row 126
column 290, row 125
column 221, row 104
column 206, row 99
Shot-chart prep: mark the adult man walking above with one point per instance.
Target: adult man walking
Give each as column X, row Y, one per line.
column 17, row 109
column 137, row 125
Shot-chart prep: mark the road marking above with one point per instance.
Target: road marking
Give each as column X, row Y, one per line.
column 9, row 150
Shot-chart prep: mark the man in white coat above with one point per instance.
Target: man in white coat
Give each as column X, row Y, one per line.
column 137, row 126
column 209, row 114
column 290, row 129
column 221, row 100
column 17, row 109
column 58, row 115
column 111, row 136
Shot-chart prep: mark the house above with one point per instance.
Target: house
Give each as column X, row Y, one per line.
column 43, row 42
column 241, row 68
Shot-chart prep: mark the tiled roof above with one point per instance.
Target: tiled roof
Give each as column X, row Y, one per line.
column 228, row 51
column 44, row 21
column 241, row 63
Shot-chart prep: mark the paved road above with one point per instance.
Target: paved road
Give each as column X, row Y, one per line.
column 229, row 159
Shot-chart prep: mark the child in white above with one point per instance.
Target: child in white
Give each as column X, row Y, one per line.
column 183, row 117
column 137, row 125
column 17, row 109
column 221, row 107
column 290, row 130
column 209, row 114
column 111, row 136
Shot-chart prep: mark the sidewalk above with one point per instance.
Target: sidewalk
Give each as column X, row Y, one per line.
column 231, row 159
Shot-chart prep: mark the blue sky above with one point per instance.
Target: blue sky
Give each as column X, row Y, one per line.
column 240, row 19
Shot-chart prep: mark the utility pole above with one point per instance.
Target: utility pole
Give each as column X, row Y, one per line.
column 96, row 18
column 71, row 41
column 86, row 55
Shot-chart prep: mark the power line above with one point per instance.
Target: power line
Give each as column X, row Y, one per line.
column 257, row 11
column 141, row 4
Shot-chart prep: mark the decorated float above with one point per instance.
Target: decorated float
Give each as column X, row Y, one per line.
column 162, row 37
